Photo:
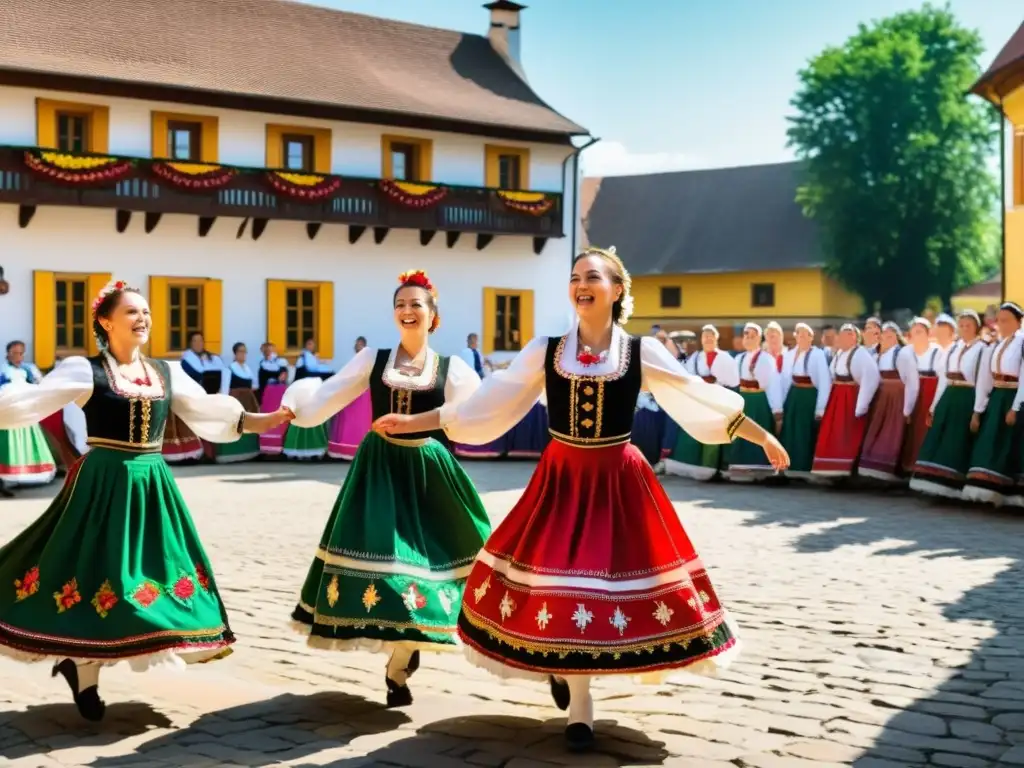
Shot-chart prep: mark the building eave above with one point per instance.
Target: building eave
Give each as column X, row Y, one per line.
column 24, row 78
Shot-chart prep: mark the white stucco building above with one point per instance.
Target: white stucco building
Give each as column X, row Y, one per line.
column 230, row 158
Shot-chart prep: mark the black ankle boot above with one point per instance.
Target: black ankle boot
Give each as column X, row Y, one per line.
column 90, row 705
column 579, row 737
column 400, row 695
column 559, row 692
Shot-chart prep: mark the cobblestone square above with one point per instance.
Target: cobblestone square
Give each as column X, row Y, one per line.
column 881, row 631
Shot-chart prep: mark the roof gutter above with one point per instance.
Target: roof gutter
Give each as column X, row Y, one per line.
column 575, row 157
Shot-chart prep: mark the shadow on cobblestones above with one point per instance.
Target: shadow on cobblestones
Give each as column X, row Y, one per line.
column 486, row 740
column 288, row 727
column 953, row 699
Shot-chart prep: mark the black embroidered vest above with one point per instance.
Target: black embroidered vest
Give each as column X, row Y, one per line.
column 592, row 410
column 408, row 400
column 113, row 417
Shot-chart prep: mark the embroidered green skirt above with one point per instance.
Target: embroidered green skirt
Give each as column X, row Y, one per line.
column 113, row 570
column 945, row 455
column 396, row 551
column 993, row 466
column 693, row 459
column 747, row 460
column 799, row 433
column 305, row 442
column 25, row 456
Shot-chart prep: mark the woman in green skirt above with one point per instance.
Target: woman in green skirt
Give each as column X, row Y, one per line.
column 992, row 477
column 691, row 458
column 238, row 381
column 307, row 443
column 761, row 389
column 114, row 570
column 25, row 454
column 805, row 369
column 398, row 546
column 945, row 455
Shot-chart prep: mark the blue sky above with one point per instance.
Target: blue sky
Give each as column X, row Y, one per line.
column 676, row 84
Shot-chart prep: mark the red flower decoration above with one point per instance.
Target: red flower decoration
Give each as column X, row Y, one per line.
column 104, row 600
column 184, row 588
column 27, row 585
column 586, row 358
column 203, row 578
column 68, row 596
column 146, row 594
column 418, row 278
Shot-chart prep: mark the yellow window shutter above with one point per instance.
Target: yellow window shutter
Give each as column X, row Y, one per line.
column 44, row 341
column 525, row 318
column 159, row 333
column 491, row 166
column 426, row 168
column 490, row 309
column 273, row 153
column 96, row 283
column 276, row 328
column 209, row 145
column 213, row 315
column 322, row 150
column 99, row 135
column 325, row 321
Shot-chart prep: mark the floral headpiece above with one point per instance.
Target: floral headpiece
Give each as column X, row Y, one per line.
column 418, row 278
column 114, row 286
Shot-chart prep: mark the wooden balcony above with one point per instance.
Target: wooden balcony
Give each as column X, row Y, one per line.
column 30, row 177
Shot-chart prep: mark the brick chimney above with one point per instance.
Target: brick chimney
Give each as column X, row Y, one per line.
column 504, row 31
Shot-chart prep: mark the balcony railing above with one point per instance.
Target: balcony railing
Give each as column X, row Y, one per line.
column 33, row 177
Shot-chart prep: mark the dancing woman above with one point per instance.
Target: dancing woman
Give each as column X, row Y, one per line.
column 25, row 454
column 945, row 456
column 689, row 457
column 114, row 570
column 400, row 541
column 855, row 380
column 892, row 409
column 808, row 384
column 992, row 477
column 592, row 572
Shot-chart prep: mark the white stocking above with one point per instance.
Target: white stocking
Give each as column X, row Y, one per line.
column 581, row 705
column 400, row 658
column 88, row 674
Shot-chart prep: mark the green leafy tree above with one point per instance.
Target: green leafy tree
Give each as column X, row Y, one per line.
column 897, row 159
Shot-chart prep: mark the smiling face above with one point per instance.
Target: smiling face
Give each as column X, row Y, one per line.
column 889, row 338
column 1007, row 323
column 804, row 338
column 708, row 340
column 751, row 339
column 413, row 313
column 129, row 321
column 592, row 290
column 967, row 327
column 872, row 334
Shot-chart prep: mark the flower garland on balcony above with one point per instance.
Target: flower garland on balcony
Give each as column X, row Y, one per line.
column 413, row 195
column 194, row 176
column 303, row 186
column 534, row 203
column 76, row 169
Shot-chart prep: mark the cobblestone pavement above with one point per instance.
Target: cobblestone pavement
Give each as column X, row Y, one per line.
column 880, row 631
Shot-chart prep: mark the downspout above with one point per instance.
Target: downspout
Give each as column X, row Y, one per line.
column 1002, row 197
column 575, row 157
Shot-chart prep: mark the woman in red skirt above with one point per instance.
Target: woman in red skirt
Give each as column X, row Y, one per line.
column 892, row 409
column 592, row 572
column 928, row 359
column 854, row 384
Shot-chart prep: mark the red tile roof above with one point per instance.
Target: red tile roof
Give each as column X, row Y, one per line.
column 275, row 49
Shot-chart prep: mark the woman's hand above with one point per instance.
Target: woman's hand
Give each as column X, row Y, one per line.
column 975, row 422
column 258, row 423
column 393, row 424
column 776, row 454
column 282, row 376
column 1011, row 418
column 928, row 420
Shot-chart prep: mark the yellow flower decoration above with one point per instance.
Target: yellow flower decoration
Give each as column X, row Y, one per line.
column 74, row 163
column 530, row 198
column 414, row 189
column 301, row 179
column 193, row 169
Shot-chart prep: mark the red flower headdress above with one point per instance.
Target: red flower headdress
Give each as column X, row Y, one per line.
column 418, row 278
column 114, row 286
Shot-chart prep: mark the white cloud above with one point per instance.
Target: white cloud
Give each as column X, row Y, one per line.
column 612, row 158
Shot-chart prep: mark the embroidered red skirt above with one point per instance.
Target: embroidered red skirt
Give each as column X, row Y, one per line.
column 841, row 432
column 887, row 427
column 592, row 573
column 918, row 427
column 180, row 442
